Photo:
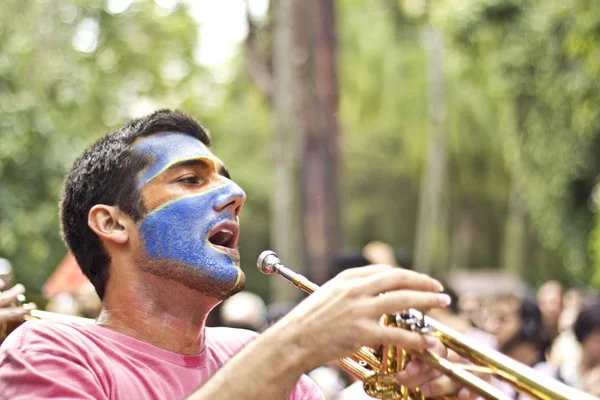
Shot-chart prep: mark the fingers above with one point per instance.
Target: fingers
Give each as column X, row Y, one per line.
column 10, row 296
column 397, row 278
column 433, row 383
column 415, row 375
column 465, row 394
column 418, row 372
column 439, row 387
column 403, row 338
column 362, row 272
column 13, row 314
column 393, row 302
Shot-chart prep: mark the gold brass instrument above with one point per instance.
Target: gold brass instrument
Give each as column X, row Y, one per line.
column 378, row 372
column 7, row 327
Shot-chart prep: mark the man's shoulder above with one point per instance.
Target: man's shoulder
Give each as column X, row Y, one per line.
column 38, row 335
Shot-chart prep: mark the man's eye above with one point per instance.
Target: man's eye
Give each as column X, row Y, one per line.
column 190, row 179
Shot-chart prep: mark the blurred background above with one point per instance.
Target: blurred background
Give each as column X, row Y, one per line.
column 463, row 134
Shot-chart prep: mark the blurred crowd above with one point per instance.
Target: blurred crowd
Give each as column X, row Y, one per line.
column 553, row 329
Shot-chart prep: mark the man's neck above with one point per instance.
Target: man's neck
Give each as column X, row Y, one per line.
column 167, row 315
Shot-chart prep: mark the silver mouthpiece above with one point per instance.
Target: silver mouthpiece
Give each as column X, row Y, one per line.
column 266, row 262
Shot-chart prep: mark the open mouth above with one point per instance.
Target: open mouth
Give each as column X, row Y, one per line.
column 225, row 236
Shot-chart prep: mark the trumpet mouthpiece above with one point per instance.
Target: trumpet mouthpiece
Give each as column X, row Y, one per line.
column 266, row 262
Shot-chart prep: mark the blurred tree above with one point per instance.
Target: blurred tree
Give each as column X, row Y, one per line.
column 303, row 89
column 431, row 216
column 383, row 117
column 384, row 111
column 546, row 94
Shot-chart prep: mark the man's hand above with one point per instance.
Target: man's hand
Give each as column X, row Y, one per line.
column 344, row 314
column 332, row 323
column 591, row 381
column 431, row 381
column 8, row 298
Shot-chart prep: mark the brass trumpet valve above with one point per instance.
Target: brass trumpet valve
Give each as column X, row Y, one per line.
column 382, row 383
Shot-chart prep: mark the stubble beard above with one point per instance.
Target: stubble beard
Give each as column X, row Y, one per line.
column 190, row 276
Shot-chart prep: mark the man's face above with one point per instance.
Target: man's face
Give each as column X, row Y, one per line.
column 190, row 230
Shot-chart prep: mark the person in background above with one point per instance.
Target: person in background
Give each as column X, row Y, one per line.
column 244, row 310
column 11, row 312
column 63, row 303
column 88, row 303
column 378, row 252
column 565, row 349
column 330, row 378
column 276, row 311
column 549, row 298
column 591, row 382
column 587, row 332
column 517, row 325
column 583, row 370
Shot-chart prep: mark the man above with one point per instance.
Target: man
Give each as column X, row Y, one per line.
column 152, row 218
column 582, row 369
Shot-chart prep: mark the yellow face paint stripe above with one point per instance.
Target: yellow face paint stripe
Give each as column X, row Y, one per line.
column 187, row 196
column 237, row 281
column 239, row 271
column 210, row 159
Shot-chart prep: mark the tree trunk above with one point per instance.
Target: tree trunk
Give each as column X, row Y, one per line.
column 287, row 142
column 305, row 223
column 321, row 146
column 463, row 238
column 429, row 218
column 515, row 233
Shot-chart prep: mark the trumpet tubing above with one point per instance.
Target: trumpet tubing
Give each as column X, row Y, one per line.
column 7, row 327
column 55, row 317
column 379, row 378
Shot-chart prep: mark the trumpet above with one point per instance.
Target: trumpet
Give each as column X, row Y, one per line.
column 378, row 370
column 7, row 327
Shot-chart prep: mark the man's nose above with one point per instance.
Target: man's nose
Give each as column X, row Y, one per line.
column 232, row 197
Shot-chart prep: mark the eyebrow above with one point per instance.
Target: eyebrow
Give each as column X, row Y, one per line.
column 221, row 169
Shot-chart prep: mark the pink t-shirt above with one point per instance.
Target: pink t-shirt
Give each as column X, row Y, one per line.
column 49, row 360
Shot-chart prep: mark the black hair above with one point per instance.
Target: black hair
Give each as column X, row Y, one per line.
column 453, row 307
column 587, row 321
column 106, row 174
column 531, row 329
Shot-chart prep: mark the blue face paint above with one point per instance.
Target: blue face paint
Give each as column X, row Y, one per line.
column 167, row 149
column 178, row 230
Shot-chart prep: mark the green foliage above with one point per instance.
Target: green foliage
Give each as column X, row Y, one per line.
column 541, row 62
column 383, row 112
column 382, row 117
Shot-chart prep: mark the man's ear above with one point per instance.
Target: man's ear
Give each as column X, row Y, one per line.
column 110, row 223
